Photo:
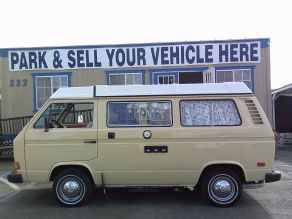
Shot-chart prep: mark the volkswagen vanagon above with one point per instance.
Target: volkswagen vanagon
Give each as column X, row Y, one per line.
column 212, row 136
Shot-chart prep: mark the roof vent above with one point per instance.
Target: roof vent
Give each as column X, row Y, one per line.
column 254, row 113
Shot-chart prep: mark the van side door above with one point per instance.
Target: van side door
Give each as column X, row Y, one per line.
column 137, row 143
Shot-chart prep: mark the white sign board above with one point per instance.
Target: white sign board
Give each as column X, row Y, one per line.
column 135, row 56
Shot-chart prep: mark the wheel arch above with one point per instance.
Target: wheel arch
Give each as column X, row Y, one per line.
column 57, row 168
column 235, row 166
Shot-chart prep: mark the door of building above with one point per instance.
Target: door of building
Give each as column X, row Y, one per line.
column 191, row 77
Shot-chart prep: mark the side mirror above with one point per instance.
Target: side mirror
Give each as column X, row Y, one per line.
column 46, row 124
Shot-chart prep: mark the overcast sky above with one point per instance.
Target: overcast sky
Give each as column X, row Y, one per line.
column 30, row 23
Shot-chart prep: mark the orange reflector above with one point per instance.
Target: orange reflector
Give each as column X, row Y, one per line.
column 261, row 164
column 16, row 165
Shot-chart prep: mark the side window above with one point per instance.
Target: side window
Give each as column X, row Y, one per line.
column 52, row 113
column 67, row 115
column 156, row 113
column 209, row 113
column 79, row 113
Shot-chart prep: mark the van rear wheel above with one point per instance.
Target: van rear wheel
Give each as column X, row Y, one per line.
column 221, row 187
column 72, row 187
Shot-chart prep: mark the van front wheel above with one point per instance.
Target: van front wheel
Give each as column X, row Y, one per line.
column 72, row 187
column 221, row 187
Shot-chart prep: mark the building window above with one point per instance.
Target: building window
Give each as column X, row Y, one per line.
column 47, row 84
column 130, row 77
column 235, row 75
column 209, row 113
column 165, row 79
column 177, row 75
column 125, row 79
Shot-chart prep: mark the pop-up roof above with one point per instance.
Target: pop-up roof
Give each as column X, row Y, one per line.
column 151, row 90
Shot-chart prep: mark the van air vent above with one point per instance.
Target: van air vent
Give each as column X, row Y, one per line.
column 254, row 113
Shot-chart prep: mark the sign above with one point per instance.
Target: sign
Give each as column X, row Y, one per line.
column 135, row 56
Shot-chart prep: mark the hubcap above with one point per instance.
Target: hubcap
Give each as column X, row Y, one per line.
column 70, row 190
column 223, row 189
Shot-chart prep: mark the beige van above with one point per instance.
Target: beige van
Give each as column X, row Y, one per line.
column 213, row 136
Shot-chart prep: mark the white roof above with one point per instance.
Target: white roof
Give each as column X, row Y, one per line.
column 281, row 89
column 152, row 90
column 73, row 92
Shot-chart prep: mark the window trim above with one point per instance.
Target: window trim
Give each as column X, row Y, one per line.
column 125, row 72
column 138, row 126
column 233, row 68
column 36, row 75
column 190, row 126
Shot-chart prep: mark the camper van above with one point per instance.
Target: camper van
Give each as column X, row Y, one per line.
column 215, row 137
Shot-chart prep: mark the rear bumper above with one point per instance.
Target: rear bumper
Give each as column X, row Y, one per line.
column 253, row 185
column 273, row 177
column 14, row 178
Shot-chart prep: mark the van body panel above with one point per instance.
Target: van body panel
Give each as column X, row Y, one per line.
column 19, row 153
column 44, row 149
column 85, row 164
column 123, row 161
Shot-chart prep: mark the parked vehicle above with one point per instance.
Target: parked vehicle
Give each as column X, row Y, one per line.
column 213, row 136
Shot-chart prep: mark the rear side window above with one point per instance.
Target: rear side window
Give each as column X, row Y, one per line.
column 209, row 113
column 154, row 113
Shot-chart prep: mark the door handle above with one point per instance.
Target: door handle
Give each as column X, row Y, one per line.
column 90, row 142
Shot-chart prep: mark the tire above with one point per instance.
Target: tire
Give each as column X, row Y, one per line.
column 69, row 180
column 221, row 187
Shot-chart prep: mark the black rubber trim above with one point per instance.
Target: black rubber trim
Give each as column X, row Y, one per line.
column 14, row 178
column 273, row 177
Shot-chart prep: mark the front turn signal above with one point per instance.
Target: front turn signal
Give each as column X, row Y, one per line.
column 16, row 165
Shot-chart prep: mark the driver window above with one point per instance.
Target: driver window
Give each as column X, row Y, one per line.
column 67, row 115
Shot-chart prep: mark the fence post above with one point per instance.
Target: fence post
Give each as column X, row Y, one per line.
column 1, row 134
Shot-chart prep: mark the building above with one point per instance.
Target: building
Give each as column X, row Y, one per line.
column 30, row 75
column 282, row 109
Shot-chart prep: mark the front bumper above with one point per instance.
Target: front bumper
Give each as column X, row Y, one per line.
column 273, row 177
column 14, row 178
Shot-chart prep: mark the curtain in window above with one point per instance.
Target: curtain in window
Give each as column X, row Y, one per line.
column 209, row 113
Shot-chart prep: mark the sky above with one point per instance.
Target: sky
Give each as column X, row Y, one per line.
column 34, row 23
